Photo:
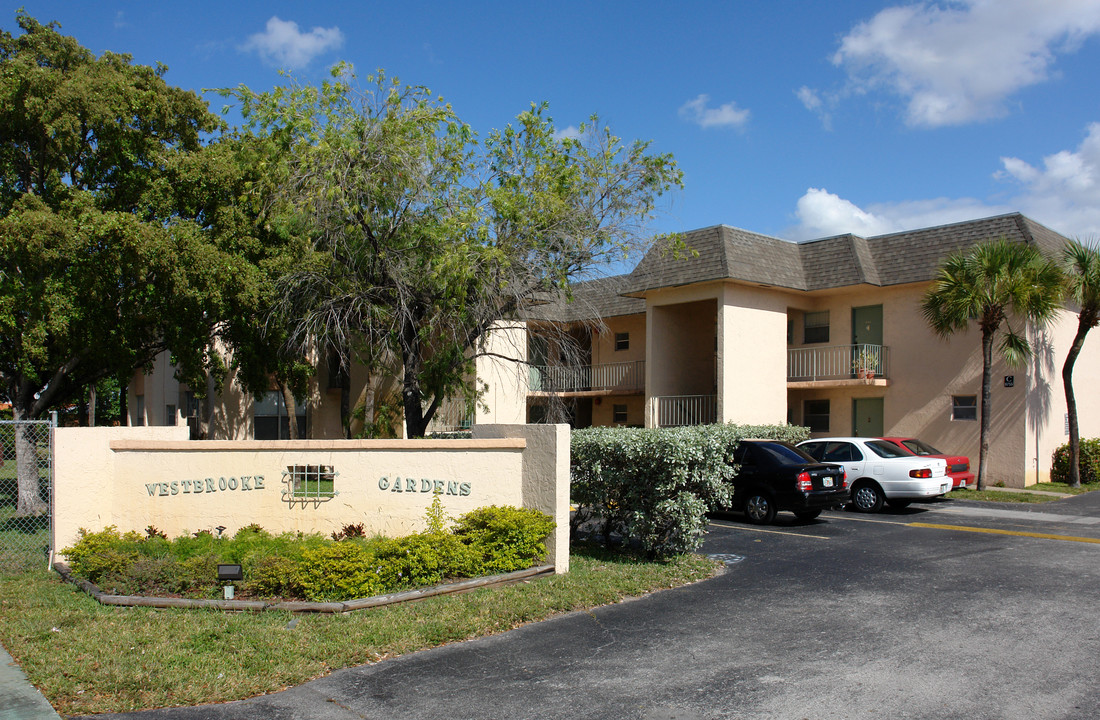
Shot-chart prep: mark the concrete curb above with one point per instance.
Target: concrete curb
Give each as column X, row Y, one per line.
column 19, row 699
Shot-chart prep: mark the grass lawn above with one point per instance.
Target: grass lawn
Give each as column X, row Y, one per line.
column 88, row 658
column 1023, row 497
column 1000, row 496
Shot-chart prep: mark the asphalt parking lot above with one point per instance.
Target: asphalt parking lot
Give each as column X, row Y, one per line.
column 942, row 610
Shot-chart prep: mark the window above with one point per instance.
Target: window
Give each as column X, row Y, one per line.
column 622, row 341
column 964, row 407
column 270, row 420
column 840, row 452
column 311, row 481
column 139, row 410
column 618, row 413
column 170, row 415
column 815, row 415
column 815, row 327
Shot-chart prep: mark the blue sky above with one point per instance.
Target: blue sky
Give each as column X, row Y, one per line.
column 793, row 119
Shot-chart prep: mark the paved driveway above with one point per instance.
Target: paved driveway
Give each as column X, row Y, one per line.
column 850, row 616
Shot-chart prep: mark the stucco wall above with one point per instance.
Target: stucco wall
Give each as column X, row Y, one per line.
column 136, row 477
column 504, row 375
column 752, row 381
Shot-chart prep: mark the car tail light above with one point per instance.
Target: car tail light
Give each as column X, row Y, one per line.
column 921, row 473
column 844, row 478
column 805, row 484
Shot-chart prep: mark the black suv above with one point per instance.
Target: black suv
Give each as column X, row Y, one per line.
column 776, row 476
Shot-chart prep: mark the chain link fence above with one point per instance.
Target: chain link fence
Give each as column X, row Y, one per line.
column 26, row 493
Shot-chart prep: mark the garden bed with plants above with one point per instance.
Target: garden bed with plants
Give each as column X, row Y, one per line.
column 309, row 571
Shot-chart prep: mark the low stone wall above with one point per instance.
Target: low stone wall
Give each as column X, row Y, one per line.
column 136, row 477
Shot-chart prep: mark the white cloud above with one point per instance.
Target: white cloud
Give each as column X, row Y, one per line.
column 572, row 132
column 959, row 61
column 1065, row 191
column 283, row 45
column 824, row 214
column 1062, row 192
column 728, row 115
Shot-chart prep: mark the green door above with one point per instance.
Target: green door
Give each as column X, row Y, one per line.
column 867, row 339
column 867, row 417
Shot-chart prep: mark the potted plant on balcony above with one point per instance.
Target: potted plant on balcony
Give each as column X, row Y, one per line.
column 864, row 363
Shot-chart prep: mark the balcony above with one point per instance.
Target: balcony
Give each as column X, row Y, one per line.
column 626, row 378
column 681, row 410
column 837, row 365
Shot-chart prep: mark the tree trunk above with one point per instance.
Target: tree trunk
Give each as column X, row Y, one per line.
column 291, row 411
column 1084, row 324
column 29, row 502
column 987, row 384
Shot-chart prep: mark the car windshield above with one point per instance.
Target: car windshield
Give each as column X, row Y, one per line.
column 920, row 448
column 885, row 449
column 785, row 454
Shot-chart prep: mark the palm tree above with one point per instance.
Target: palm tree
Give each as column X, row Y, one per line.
column 1083, row 288
column 993, row 283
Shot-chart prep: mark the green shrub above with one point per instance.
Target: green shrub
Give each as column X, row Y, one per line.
column 102, row 554
column 295, row 565
column 339, row 571
column 654, row 486
column 424, row 559
column 1089, row 462
column 506, row 538
column 273, row 576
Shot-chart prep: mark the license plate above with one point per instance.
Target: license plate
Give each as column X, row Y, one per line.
column 827, row 482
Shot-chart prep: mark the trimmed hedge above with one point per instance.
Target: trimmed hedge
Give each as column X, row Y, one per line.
column 486, row 541
column 1089, row 462
column 654, row 486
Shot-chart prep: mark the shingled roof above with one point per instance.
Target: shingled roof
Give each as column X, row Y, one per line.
column 722, row 253
column 600, row 298
column 726, row 253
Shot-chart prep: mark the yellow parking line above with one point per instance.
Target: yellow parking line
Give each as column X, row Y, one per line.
column 1045, row 536
column 772, row 532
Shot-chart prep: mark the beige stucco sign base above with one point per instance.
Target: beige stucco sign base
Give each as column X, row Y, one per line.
column 136, row 477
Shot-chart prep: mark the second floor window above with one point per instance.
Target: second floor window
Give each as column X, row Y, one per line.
column 622, row 341
column 815, row 328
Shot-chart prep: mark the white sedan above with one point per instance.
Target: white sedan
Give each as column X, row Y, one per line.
column 879, row 472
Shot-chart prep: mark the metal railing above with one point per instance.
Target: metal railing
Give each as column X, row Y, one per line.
column 26, row 492
column 837, row 362
column 451, row 416
column 679, row 410
column 620, row 376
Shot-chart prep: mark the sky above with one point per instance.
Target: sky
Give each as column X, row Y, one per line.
column 796, row 119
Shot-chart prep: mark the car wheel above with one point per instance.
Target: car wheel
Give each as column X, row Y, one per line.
column 867, row 497
column 898, row 504
column 759, row 509
column 806, row 515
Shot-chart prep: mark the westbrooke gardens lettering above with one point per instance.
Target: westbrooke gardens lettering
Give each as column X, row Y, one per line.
column 209, row 485
column 424, row 485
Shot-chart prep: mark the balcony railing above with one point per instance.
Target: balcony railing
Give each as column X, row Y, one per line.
column 609, row 377
column 679, row 410
column 837, row 362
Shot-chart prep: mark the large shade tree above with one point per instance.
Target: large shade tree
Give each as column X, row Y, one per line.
column 1000, row 285
column 104, row 265
column 1083, row 289
column 423, row 237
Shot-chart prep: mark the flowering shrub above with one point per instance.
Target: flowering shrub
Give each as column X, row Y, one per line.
column 313, row 567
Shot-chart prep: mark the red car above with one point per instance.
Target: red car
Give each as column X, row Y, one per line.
column 958, row 466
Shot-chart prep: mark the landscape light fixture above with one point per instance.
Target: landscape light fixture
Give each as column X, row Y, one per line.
column 227, row 573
